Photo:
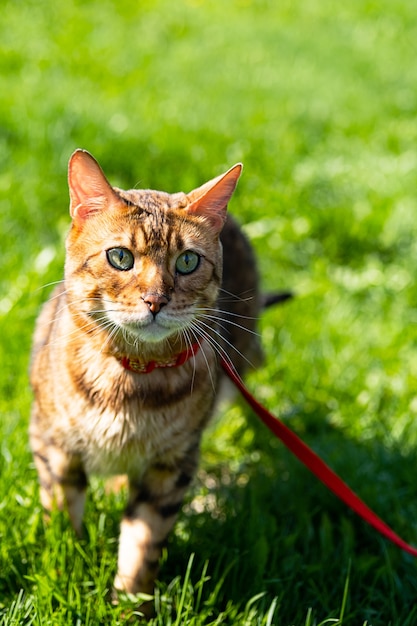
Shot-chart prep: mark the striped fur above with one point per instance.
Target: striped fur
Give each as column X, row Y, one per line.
column 90, row 415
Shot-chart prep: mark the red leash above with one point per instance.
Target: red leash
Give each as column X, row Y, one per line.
column 315, row 464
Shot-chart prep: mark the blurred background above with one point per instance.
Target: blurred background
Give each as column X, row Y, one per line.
column 319, row 102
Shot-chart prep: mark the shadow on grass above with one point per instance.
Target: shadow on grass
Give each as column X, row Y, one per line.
column 273, row 527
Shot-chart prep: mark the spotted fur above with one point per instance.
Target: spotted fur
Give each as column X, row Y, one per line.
column 91, row 415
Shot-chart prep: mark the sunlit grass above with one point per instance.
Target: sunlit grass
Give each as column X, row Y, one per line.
column 319, row 102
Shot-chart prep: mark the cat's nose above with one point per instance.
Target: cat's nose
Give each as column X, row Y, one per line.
column 155, row 302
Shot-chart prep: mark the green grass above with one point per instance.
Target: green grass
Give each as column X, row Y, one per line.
column 319, row 101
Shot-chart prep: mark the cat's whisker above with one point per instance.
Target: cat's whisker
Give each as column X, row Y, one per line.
column 51, row 284
column 112, row 331
column 225, row 312
column 200, row 321
column 76, row 313
column 205, row 334
column 103, row 324
column 217, row 348
column 221, row 321
column 235, row 297
column 63, row 339
column 197, row 334
column 59, row 296
column 221, row 352
column 184, row 334
column 91, row 316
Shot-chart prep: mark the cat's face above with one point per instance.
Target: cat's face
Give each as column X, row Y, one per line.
column 142, row 264
column 146, row 273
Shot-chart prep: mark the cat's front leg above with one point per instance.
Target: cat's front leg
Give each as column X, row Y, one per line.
column 149, row 517
column 62, row 478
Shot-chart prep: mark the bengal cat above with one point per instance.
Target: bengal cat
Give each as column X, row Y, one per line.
column 125, row 367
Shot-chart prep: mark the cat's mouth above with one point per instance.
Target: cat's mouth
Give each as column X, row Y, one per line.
column 149, row 329
column 151, row 332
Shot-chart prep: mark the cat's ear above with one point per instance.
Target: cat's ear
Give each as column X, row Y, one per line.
column 210, row 200
column 90, row 190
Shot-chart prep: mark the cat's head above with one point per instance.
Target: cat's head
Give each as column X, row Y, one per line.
column 143, row 264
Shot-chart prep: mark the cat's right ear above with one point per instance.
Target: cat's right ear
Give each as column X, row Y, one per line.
column 90, row 190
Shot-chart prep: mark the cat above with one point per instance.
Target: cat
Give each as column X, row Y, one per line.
column 125, row 365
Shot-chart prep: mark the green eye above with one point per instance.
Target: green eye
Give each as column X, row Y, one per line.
column 187, row 262
column 120, row 258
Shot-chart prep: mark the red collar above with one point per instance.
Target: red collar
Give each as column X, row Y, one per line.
column 139, row 367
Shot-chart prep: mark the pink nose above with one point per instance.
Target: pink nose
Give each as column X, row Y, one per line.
column 155, row 302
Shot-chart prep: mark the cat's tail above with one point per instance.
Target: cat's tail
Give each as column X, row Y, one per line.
column 275, row 297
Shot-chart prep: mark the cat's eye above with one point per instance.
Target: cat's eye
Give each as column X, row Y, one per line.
column 120, row 258
column 187, row 262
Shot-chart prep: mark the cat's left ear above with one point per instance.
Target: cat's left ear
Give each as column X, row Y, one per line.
column 89, row 189
column 211, row 199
